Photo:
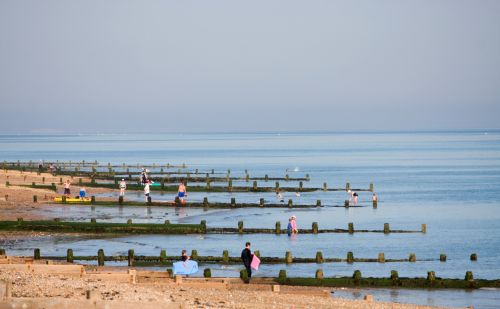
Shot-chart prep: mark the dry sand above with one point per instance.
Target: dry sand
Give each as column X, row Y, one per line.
column 190, row 294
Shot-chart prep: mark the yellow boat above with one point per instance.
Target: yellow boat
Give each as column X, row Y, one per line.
column 72, row 200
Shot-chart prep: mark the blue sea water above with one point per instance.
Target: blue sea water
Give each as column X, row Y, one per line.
column 448, row 180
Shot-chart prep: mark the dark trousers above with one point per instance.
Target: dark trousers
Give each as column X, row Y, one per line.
column 249, row 271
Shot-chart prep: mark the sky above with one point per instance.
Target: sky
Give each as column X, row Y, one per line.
column 261, row 65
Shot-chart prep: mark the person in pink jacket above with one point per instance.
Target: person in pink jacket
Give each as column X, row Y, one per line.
column 294, row 225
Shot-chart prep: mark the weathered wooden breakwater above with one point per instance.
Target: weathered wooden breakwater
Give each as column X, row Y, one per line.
column 166, row 260
column 357, row 280
column 167, row 228
column 99, row 227
column 205, row 204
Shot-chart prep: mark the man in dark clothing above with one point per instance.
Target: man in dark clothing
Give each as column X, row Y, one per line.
column 246, row 257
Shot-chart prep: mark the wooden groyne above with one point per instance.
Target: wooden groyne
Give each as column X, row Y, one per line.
column 129, row 227
column 357, row 280
column 205, row 204
column 166, row 260
column 99, row 227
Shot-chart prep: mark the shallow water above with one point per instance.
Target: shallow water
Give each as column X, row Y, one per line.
column 448, row 180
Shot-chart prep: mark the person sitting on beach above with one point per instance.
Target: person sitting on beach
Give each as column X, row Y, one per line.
column 83, row 192
column 184, row 256
column 67, row 186
column 123, row 186
column 181, row 192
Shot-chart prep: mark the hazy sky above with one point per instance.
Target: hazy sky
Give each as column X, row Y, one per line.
column 249, row 65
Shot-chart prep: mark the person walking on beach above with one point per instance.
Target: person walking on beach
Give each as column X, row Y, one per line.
column 181, row 192
column 289, row 227
column 144, row 176
column 67, row 186
column 146, row 191
column 123, row 186
column 246, row 257
column 294, row 225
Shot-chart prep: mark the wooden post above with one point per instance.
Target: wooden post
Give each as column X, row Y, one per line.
column 100, row 257
column 266, row 177
column 163, row 255
column 290, row 203
column 35, row 198
column 381, row 257
column 469, row 276
column 394, row 277
column 93, row 220
column 318, row 203
column 412, row 258
column 69, row 256
column 315, row 228
column 356, row 276
column 387, row 229
column 347, row 186
column 288, row 257
column 207, row 273
column 350, row 257
column 120, row 200
column 36, row 254
column 254, row 185
column 277, row 185
column 319, row 257
column 278, row 228
column 350, row 227
column 194, row 254
column 442, row 257
column 230, row 186
column 225, row 256
column 205, row 201
column 240, row 227
column 131, row 257
column 319, row 274
column 282, row 276
column 431, row 277
column 346, row 203
column 473, row 257
column 233, row 202
column 424, row 228
column 92, row 199
column 261, row 202
column 129, row 221
column 325, row 187
column 371, row 187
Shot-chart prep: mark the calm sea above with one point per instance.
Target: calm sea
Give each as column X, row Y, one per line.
column 448, row 180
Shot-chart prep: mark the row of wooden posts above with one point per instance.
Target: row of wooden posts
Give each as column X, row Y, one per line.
column 277, row 230
column 95, row 163
column 225, row 258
